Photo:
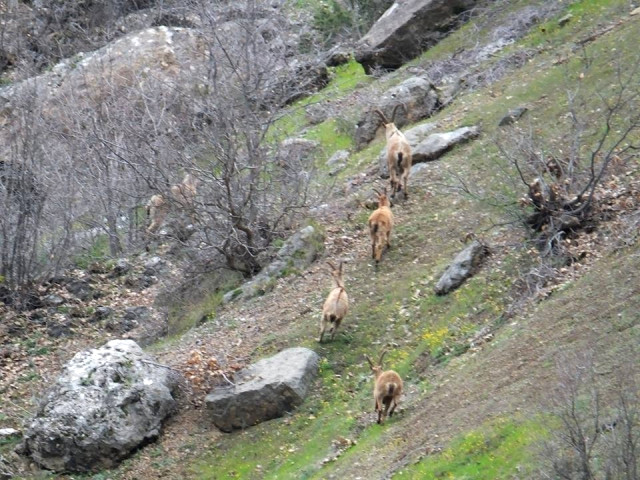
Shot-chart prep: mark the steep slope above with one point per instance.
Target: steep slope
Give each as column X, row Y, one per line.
column 477, row 357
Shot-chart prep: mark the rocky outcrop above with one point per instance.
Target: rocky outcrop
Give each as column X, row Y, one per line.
column 463, row 266
column 407, row 29
column 437, row 144
column 265, row 390
column 426, row 147
column 296, row 254
column 106, row 403
column 419, row 99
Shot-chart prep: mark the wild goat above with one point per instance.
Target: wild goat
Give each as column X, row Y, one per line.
column 157, row 210
column 387, row 388
column 380, row 225
column 398, row 154
column 182, row 195
column 336, row 305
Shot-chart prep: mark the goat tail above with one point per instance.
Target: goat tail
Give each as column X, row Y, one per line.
column 332, row 317
column 400, row 157
column 374, row 228
column 391, row 387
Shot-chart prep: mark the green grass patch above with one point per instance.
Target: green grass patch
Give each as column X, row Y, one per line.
column 501, row 450
column 97, row 252
column 344, row 79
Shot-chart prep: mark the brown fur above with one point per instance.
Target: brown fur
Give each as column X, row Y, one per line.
column 399, row 158
column 387, row 389
column 380, row 225
column 182, row 195
column 157, row 210
column 336, row 305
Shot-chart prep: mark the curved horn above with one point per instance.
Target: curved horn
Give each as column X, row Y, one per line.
column 369, row 360
column 379, row 112
column 376, row 191
column 331, row 265
column 395, row 109
column 384, row 352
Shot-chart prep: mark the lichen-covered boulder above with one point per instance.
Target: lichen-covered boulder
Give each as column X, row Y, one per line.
column 463, row 266
column 418, row 98
column 265, row 390
column 106, row 403
column 407, row 29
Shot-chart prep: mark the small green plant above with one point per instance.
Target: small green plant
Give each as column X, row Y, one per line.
column 497, row 451
column 98, row 251
column 331, row 19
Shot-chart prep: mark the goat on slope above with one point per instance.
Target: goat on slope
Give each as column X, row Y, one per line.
column 399, row 157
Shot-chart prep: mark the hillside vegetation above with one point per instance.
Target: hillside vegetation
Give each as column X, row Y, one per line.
column 494, row 372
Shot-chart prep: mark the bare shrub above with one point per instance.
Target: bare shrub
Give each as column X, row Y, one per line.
column 566, row 183
column 594, row 426
column 110, row 136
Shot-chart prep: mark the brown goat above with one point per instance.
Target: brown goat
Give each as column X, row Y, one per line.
column 157, row 210
column 336, row 305
column 380, row 225
column 182, row 198
column 399, row 157
column 387, row 388
column 184, row 193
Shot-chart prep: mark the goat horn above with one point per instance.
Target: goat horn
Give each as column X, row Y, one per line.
column 382, row 116
column 384, row 352
column 331, row 265
column 369, row 360
column 395, row 109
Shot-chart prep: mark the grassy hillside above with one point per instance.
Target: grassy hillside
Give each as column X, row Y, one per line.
column 480, row 365
column 468, row 411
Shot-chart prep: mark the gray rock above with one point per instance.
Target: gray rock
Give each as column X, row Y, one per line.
column 132, row 318
column 53, row 300
column 463, row 266
column 340, row 157
column 512, row 116
column 419, row 98
column 337, row 56
column 121, row 267
column 295, row 152
column 265, row 390
column 59, row 327
column 80, row 289
column 298, row 252
column 407, row 29
column 153, row 266
column 437, row 144
column 101, row 313
column 431, row 147
column 9, row 432
column 106, row 403
column 6, row 470
column 418, row 133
